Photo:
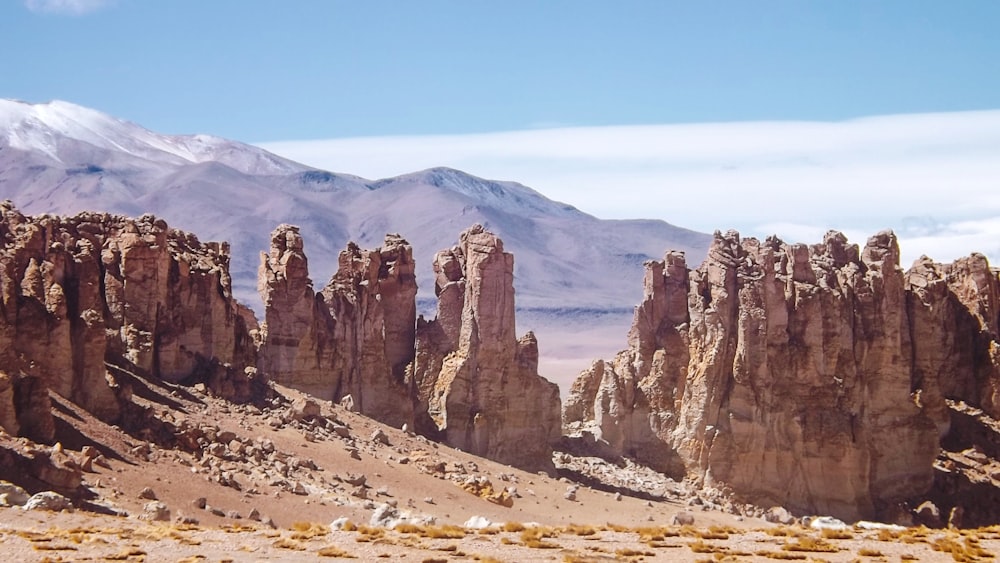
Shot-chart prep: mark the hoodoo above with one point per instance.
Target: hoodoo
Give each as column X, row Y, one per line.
column 477, row 384
column 355, row 337
column 782, row 372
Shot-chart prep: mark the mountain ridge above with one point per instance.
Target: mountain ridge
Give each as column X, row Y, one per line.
column 73, row 158
column 61, row 158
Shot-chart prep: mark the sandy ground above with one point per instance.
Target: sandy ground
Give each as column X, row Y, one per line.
column 75, row 537
column 421, row 478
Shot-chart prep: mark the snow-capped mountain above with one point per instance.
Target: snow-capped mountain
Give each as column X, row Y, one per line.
column 63, row 158
column 51, row 129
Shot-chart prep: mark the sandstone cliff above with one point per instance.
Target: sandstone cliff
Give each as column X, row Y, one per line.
column 83, row 291
column 782, row 372
column 477, row 385
column 355, row 337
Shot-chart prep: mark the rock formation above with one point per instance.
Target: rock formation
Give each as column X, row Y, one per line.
column 355, row 337
column 780, row 371
column 477, row 385
column 79, row 292
column 956, row 312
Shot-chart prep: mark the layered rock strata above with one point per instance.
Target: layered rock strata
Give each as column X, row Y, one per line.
column 81, row 291
column 355, row 337
column 477, row 384
column 780, row 371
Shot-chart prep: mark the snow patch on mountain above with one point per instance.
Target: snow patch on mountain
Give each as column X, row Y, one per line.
column 45, row 127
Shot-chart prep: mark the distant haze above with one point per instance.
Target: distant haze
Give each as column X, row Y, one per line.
column 933, row 178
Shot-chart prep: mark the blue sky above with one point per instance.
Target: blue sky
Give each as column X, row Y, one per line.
column 269, row 70
column 787, row 117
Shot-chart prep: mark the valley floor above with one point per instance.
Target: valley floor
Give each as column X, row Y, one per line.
column 35, row 536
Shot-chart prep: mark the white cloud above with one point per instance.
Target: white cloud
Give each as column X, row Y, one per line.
column 934, row 178
column 66, row 7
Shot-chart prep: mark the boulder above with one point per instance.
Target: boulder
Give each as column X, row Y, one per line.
column 155, row 511
column 48, row 500
column 12, row 495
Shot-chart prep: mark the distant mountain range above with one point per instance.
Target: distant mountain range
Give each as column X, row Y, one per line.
column 62, row 158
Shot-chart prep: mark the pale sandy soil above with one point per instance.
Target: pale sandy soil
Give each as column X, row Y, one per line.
column 78, row 537
column 422, row 478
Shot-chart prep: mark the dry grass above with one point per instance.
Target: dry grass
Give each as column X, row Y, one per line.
column 702, row 547
column 888, row 535
column 783, row 531
column 660, row 533
column 784, row 555
column 513, row 527
column 830, row 534
column 810, row 544
column 715, row 533
column 54, row 547
column 533, row 537
column 580, row 530
column 967, row 550
column 868, row 552
column 285, row 543
column 126, row 554
column 334, row 551
column 369, row 533
column 628, row 552
column 446, row 532
column 308, row 530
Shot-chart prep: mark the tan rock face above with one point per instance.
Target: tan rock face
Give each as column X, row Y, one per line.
column 955, row 308
column 477, row 385
column 780, row 371
column 355, row 337
column 81, row 291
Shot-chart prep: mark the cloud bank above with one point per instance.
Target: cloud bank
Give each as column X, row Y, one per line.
column 66, row 7
column 933, row 178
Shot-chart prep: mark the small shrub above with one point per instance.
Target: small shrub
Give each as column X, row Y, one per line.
column 780, row 555
column 627, row 552
column 308, row 530
column 446, row 532
column 513, row 527
column 831, row 534
column 334, row 551
column 285, row 543
column 810, row 544
column 580, row 530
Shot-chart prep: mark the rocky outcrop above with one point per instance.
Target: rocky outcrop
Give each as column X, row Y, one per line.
column 477, row 385
column 79, row 292
column 355, row 337
column 782, row 372
column 463, row 378
column 956, row 312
